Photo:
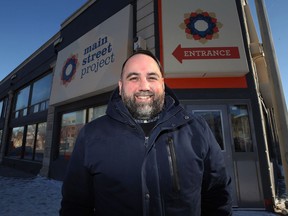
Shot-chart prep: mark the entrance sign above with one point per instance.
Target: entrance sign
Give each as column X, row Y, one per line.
column 206, row 53
column 201, row 39
column 92, row 64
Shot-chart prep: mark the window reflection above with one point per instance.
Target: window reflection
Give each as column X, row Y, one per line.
column 40, row 141
column 39, row 99
column 214, row 120
column 32, row 148
column 22, row 101
column 30, row 140
column 1, row 134
column 15, row 146
column 1, row 108
column 96, row 112
column 70, row 127
column 241, row 131
column 41, row 89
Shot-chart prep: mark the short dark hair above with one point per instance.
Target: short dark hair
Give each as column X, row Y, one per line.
column 144, row 52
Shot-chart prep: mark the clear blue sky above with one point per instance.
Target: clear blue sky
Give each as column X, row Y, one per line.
column 25, row 25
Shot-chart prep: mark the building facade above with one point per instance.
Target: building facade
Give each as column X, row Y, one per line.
column 210, row 58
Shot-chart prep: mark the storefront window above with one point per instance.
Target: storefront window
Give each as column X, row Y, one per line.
column 96, row 112
column 70, row 127
column 214, row 120
column 32, row 148
column 41, row 93
column 241, row 131
column 15, row 147
column 40, row 141
column 1, row 134
column 1, row 108
column 30, row 140
column 39, row 99
column 22, row 102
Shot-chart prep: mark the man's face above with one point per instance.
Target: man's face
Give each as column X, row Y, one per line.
column 142, row 87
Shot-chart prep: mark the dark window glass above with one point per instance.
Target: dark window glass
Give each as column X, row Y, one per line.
column 96, row 112
column 241, row 131
column 1, row 134
column 32, row 148
column 214, row 120
column 40, row 141
column 70, row 127
column 30, row 140
column 41, row 90
column 22, row 99
column 1, row 107
column 16, row 142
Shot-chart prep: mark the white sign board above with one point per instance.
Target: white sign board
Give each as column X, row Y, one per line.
column 202, row 39
column 92, row 64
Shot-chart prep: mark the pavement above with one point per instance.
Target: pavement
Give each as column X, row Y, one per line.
column 25, row 194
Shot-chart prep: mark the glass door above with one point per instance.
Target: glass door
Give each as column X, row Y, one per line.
column 217, row 118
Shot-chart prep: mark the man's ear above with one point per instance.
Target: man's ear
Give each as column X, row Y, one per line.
column 120, row 86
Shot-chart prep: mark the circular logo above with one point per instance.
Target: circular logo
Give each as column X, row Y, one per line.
column 69, row 70
column 201, row 26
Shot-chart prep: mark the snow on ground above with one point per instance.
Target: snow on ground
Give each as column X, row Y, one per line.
column 39, row 196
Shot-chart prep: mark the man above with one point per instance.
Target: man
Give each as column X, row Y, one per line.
column 147, row 156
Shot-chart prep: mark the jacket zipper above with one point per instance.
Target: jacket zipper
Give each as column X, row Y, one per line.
column 173, row 165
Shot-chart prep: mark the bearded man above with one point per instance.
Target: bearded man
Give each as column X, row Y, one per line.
column 147, row 156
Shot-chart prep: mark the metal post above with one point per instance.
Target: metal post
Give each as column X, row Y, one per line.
column 278, row 100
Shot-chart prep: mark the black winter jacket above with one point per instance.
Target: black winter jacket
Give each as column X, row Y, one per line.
column 178, row 170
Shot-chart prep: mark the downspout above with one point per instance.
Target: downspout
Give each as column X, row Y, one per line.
column 258, row 57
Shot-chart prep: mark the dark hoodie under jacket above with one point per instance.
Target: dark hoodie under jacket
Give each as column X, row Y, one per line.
column 115, row 170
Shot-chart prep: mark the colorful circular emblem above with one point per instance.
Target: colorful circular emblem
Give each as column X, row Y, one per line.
column 69, row 70
column 201, row 26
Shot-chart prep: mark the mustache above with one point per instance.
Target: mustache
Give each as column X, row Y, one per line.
column 144, row 93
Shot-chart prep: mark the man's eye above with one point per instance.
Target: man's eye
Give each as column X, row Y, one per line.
column 133, row 78
column 153, row 78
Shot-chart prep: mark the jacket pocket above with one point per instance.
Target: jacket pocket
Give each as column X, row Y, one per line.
column 173, row 165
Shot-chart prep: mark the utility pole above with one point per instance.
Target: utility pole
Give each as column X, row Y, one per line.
column 278, row 100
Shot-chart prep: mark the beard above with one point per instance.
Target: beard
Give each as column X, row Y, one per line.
column 143, row 110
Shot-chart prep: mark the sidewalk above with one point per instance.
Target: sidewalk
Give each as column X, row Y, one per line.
column 28, row 195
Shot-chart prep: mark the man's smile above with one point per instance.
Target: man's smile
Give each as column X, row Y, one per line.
column 144, row 96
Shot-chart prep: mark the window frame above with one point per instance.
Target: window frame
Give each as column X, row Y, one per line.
column 30, row 108
column 22, row 147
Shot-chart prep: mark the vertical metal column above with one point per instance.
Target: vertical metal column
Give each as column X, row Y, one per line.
column 278, row 100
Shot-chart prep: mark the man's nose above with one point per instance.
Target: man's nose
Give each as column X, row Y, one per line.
column 144, row 84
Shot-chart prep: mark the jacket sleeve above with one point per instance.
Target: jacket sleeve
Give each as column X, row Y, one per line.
column 216, row 186
column 77, row 189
